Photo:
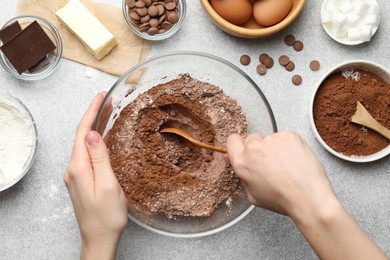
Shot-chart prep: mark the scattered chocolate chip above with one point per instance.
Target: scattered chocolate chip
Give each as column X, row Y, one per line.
column 315, row 65
column 261, row 69
column 245, row 60
column 289, row 40
column 290, row 66
column 297, row 80
column 284, row 60
column 262, row 57
column 298, row 45
column 269, row 62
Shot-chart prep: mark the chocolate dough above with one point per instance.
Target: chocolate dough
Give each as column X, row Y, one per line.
column 161, row 173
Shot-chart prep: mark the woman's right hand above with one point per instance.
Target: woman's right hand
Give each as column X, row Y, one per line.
column 279, row 172
column 282, row 174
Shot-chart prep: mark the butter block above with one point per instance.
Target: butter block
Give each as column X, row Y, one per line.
column 87, row 28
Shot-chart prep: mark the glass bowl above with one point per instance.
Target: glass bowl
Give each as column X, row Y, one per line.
column 12, row 109
column 54, row 57
column 349, row 66
column 182, row 10
column 207, row 68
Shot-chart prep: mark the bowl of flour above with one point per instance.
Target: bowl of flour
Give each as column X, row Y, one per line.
column 18, row 140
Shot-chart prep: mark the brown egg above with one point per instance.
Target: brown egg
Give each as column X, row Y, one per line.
column 270, row 12
column 234, row 11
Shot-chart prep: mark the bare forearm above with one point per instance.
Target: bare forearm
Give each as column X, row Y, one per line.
column 103, row 251
column 333, row 234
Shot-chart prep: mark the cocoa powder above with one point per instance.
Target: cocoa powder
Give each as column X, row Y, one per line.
column 161, row 173
column 335, row 103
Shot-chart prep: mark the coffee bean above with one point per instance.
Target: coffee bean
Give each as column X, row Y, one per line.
column 315, row 65
column 284, row 60
column 297, row 80
column 298, row 46
column 290, row 66
column 261, row 69
column 245, row 60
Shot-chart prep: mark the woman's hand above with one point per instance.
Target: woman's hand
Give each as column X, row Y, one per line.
column 282, row 174
column 98, row 200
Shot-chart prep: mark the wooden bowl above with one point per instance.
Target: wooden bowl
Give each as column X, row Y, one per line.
column 252, row 29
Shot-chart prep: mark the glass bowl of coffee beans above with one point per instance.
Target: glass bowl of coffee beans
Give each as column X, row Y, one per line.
column 154, row 20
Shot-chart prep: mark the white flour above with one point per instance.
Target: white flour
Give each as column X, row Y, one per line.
column 16, row 139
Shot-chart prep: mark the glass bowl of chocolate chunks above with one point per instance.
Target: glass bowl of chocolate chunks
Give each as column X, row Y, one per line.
column 154, row 20
column 31, row 47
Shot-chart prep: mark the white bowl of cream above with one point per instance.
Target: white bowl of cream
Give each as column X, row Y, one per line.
column 18, row 140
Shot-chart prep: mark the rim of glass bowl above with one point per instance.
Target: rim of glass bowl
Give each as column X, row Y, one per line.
column 218, row 59
column 53, row 64
column 160, row 36
column 363, row 64
column 34, row 148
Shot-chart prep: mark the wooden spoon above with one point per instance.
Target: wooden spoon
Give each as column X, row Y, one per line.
column 362, row 117
column 190, row 138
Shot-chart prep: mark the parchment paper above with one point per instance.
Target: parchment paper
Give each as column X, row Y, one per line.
column 130, row 49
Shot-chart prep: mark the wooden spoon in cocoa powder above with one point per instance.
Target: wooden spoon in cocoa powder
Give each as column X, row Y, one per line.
column 363, row 117
column 190, row 138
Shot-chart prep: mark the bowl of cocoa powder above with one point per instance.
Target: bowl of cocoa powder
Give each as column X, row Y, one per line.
column 334, row 102
column 172, row 187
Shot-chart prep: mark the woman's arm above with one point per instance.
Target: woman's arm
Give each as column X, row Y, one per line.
column 282, row 174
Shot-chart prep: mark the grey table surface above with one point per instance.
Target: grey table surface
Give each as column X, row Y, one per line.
column 36, row 215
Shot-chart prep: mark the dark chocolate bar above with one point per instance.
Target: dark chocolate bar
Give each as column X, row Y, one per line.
column 10, row 31
column 28, row 47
